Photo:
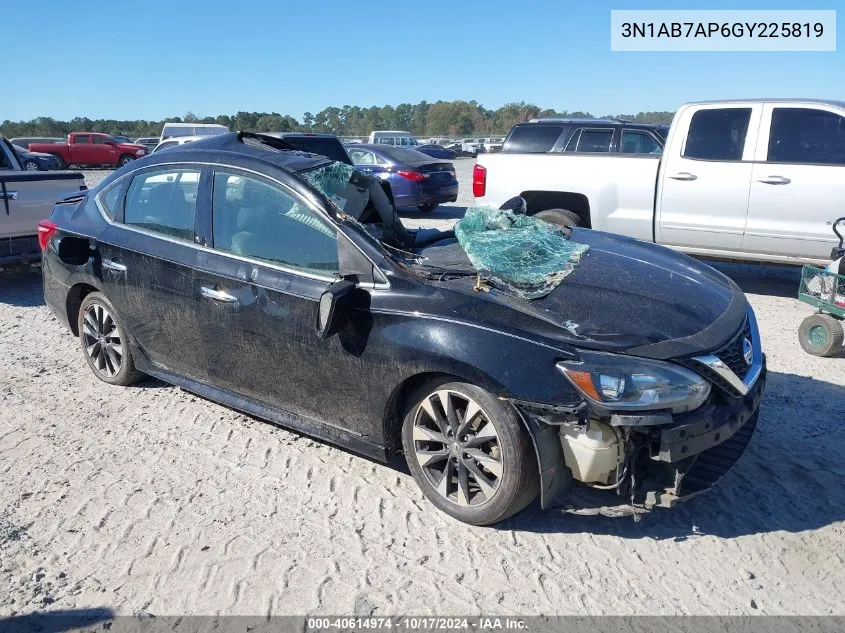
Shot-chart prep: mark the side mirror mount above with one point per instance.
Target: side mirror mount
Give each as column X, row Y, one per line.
column 516, row 204
column 334, row 308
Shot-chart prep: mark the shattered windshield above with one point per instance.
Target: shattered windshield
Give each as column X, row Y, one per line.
column 519, row 253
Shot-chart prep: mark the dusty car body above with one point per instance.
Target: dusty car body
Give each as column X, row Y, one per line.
column 639, row 372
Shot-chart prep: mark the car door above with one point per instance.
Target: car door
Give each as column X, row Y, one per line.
column 146, row 259
column 703, row 188
column 798, row 182
column 104, row 150
column 81, row 150
column 258, row 291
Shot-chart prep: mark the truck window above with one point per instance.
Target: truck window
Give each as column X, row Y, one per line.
column 532, row 139
column 717, row 134
column 81, row 139
column 100, row 139
column 634, row 142
column 805, row 135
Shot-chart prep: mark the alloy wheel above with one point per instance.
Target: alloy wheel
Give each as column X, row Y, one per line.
column 30, row 166
column 457, row 448
column 103, row 340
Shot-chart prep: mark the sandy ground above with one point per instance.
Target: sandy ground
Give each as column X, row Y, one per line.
column 149, row 499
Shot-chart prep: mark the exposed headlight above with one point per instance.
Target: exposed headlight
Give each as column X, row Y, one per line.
column 626, row 383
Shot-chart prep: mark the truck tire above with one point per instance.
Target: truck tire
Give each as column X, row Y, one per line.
column 125, row 159
column 564, row 217
column 821, row 335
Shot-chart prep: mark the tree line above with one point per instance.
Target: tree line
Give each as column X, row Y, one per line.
column 441, row 118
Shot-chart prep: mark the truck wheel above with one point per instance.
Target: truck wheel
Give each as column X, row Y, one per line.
column 126, row 159
column 564, row 217
column 30, row 165
column 821, row 335
column 469, row 452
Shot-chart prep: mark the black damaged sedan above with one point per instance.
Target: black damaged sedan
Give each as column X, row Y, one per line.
column 283, row 285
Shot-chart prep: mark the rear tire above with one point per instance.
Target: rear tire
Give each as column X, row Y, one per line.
column 104, row 343
column 479, row 470
column 563, row 217
column 821, row 335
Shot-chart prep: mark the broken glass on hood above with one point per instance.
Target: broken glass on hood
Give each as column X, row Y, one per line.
column 522, row 254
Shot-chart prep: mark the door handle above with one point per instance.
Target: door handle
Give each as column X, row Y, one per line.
column 775, row 180
column 110, row 265
column 683, row 175
column 218, row 295
column 8, row 195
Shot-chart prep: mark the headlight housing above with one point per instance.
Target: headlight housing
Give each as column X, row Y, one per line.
column 627, row 383
column 140, row 152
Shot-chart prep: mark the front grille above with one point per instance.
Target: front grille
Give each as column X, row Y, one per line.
column 731, row 354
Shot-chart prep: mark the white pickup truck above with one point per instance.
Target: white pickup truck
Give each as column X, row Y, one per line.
column 26, row 197
column 758, row 180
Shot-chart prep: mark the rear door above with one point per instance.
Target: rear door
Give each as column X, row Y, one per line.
column 81, row 150
column 798, row 182
column 147, row 255
column 703, row 188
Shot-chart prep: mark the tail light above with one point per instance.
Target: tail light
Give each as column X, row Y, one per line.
column 46, row 230
column 479, row 181
column 412, row 175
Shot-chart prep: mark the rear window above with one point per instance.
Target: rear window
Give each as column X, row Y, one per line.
column 532, row 139
column 404, row 155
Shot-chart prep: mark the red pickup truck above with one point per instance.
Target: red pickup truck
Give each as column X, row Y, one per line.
column 90, row 148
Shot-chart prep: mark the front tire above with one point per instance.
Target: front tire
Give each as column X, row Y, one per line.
column 126, row 159
column 562, row 217
column 469, row 453
column 31, row 165
column 104, row 342
column 821, row 335
column 427, row 208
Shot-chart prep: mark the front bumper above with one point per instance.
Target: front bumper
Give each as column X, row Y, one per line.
column 696, row 451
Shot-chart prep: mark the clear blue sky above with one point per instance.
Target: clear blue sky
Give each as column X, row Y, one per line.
column 152, row 59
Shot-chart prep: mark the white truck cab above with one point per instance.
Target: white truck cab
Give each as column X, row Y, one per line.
column 759, row 179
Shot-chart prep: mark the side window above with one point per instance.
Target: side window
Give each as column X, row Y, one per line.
column 595, row 141
column 81, row 139
column 100, row 139
column 717, row 134
column 166, row 145
column 804, row 135
column 259, row 219
column 634, row 142
column 110, row 199
column 532, row 139
column 362, row 157
column 572, row 143
column 164, row 202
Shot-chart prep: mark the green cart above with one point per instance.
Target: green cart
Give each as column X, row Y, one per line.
column 821, row 334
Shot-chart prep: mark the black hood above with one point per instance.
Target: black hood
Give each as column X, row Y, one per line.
column 632, row 297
